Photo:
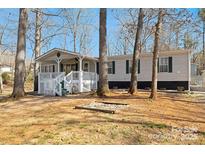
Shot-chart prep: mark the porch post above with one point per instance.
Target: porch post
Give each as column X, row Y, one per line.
column 58, row 65
column 39, row 67
column 80, row 75
column 58, row 60
column 95, row 70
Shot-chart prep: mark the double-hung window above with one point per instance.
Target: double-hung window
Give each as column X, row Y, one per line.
column 110, row 68
column 164, row 64
column 129, row 66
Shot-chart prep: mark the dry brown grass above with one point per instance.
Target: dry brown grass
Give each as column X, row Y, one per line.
column 53, row 120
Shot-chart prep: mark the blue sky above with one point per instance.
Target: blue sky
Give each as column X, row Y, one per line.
column 112, row 25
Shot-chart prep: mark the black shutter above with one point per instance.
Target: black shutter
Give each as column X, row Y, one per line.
column 76, row 66
column 97, row 67
column 127, row 66
column 113, row 67
column 138, row 66
column 61, row 68
column 170, row 64
column 157, row 64
column 53, row 68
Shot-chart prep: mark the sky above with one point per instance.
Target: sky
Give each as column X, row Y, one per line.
column 112, row 25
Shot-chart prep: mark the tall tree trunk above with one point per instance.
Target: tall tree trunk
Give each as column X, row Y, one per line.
column 125, row 45
column 203, row 44
column 74, row 41
column 136, row 52
column 20, row 70
column 103, row 88
column 1, row 83
column 37, row 49
column 155, row 55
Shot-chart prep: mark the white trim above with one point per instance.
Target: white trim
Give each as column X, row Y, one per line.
column 66, row 52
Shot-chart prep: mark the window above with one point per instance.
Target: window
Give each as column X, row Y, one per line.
column 110, row 69
column 85, row 67
column 47, row 68
column 129, row 66
column 50, row 68
column 69, row 67
column 164, row 64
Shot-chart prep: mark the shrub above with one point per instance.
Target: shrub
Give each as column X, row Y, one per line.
column 6, row 78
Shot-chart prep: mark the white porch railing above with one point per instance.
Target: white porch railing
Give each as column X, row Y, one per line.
column 47, row 82
column 89, row 81
column 58, row 83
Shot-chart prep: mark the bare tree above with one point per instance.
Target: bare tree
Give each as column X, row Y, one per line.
column 155, row 55
column 37, row 49
column 19, row 76
column 1, row 83
column 136, row 52
column 72, row 22
column 202, row 16
column 103, row 88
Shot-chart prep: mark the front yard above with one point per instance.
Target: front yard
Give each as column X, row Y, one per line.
column 172, row 119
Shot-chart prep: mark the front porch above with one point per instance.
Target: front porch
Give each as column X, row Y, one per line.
column 63, row 72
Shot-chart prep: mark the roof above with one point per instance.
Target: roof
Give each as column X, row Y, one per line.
column 54, row 51
column 149, row 54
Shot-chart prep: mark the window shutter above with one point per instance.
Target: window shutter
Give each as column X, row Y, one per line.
column 138, row 66
column 170, row 64
column 158, row 65
column 61, row 68
column 53, row 68
column 76, row 66
column 127, row 66
column 97, row 67
column 113, row 67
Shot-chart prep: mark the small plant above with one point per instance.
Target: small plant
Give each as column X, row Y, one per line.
column 6, row 78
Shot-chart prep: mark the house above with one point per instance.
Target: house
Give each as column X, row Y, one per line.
column 61, row 71
column 173, row 70
column 6, row 68
column 7, row 61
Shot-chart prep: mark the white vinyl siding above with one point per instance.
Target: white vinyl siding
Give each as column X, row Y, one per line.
column 180, row 65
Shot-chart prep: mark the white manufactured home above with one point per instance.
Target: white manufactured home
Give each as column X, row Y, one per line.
column 62, row 72
column 173, row 70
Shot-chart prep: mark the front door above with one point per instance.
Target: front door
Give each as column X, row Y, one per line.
column 69, row 68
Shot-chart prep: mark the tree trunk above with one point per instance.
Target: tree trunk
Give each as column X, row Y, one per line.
column 20, row 70
column 1, row 83
column 103, row 88
column 136, row 52
column 37, row 49
column 74, row 41
column 155, row 55
column 203, row 44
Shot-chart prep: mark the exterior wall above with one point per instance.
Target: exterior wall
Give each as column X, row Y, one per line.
column 180, row 69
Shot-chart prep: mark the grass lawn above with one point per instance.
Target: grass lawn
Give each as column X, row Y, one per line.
column 53, row 120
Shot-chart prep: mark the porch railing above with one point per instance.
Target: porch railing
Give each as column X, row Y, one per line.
column 47, row 82
column 75, row 81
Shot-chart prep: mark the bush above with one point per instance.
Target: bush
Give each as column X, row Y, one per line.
column 6, row 78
